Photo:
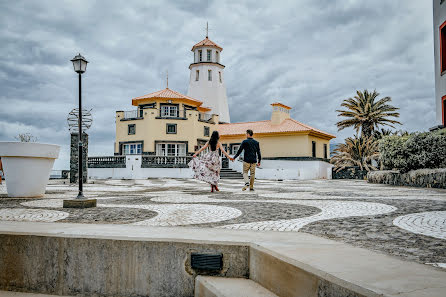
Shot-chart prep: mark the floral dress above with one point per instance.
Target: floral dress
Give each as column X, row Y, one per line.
column 207, row 167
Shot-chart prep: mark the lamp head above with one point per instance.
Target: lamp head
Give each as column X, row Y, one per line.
column 79, row 64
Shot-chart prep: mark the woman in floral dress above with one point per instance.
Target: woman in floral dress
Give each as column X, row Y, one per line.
column 207, row 167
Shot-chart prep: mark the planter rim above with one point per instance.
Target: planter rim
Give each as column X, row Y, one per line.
column 29, row 149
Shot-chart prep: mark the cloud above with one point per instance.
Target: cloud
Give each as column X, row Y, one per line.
column 307, row 54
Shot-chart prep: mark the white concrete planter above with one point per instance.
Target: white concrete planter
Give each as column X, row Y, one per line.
column 27, row 167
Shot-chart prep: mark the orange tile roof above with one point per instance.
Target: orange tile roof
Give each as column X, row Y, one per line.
column 280, row 104
column 167, row 94
column 265, row 127
column 207, row 42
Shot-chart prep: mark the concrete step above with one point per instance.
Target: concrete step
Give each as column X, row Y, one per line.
column 211, row 286
column 21, row 294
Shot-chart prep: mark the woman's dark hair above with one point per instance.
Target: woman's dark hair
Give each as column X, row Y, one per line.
column 214, row 140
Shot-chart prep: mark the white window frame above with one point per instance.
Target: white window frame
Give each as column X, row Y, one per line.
column 170, row 111
column 209, row 55
column 200, row 55
column 132, row 148
column 171, row 149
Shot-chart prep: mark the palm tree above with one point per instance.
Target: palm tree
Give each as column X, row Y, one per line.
column 356, row 151
column 364, row 112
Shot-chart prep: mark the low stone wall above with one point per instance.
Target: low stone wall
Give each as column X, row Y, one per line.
column 289, row 169
column 426, row 178
column 105, row 267
column 350, row 173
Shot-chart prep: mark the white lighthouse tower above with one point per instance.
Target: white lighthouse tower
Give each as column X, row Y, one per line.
column 207, row 82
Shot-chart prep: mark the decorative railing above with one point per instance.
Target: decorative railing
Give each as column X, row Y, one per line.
column 106, row 162
column 131, row 114
column 204, row 117
column 165, row 161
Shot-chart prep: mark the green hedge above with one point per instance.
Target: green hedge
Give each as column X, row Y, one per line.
column 416, row 151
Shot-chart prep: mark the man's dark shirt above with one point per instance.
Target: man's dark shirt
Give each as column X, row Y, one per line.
column 251, row 148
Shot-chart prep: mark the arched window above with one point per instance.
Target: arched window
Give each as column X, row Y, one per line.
column 209, row 75
column 197, row 75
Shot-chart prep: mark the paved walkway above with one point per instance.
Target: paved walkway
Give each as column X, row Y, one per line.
column 406, row 222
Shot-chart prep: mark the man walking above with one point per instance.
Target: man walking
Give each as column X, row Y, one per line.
column 251, row 158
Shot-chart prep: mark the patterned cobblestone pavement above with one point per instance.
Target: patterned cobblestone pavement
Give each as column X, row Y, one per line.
column 402, row 221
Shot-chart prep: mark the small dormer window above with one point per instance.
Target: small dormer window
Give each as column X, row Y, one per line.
column 200, row 55
column 209, row 75
column 209, row 55
column 197, row 75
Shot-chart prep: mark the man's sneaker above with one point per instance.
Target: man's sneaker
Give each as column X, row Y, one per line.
column 245, row 187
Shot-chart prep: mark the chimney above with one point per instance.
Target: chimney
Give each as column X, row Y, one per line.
column 280, row 113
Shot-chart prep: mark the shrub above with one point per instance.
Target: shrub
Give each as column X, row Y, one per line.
column 392, row 153
column 417, row 151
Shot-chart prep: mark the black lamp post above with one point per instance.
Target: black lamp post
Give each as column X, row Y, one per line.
column 80, row 66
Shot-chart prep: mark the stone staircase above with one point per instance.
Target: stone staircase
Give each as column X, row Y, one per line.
column 227, row 173
column 210, row 286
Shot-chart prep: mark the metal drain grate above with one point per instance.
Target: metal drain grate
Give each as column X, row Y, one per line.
column 206, row 261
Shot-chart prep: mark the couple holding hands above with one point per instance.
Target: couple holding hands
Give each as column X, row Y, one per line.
column 207, row 167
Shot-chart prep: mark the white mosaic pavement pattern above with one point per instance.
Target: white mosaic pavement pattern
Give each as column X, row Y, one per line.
column 182, row 208
column 432, row 223
column 183, row 214
column 31, row 215
column 329, row 210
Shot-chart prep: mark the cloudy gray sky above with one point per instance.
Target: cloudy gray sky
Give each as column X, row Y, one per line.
column 307, row 54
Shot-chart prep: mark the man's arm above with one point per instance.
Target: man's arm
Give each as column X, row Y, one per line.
column 240, row 150
column 259, row 155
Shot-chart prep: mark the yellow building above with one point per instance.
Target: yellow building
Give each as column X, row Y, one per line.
column 165, row 123
column 280, row 138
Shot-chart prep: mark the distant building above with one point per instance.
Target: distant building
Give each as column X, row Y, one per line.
column 280, row 138
column 158, row 137
column 439, row 18
column 165, row 123
column 206, row 81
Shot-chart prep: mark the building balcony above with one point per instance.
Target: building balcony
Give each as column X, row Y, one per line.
column 132, row 115
column 205, row 117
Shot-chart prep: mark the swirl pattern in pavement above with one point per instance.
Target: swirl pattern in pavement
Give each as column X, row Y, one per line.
column 430, row 223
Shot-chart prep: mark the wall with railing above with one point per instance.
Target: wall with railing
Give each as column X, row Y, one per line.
column 106, row 162
column 165, row 161
column 138, row 167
